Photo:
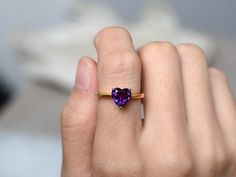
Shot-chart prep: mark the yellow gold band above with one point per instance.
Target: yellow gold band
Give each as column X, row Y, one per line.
column 134, row 95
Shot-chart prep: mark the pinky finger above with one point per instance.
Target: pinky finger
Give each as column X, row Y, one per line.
column 225, row 109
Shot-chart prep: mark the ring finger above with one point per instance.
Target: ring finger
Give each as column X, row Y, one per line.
column 118, row 66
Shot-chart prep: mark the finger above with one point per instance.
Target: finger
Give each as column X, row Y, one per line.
column 197, row 89
column 118, row 66
column 165, row 121
column 223, row 100
column 225, row 109
column 162, row 84
column 79, row 120
column 202, row 123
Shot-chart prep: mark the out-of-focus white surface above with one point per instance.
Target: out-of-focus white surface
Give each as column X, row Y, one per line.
column 23, row 155
column 30, row 144
column 215, row 16
column 52, row 54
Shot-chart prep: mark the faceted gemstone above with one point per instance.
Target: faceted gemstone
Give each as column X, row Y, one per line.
column 121, row 96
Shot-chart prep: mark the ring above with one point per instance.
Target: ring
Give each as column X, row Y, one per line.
column 121, row 96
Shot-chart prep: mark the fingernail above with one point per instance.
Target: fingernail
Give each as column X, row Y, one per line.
column 83, row 75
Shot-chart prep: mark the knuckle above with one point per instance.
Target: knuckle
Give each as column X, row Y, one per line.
column 191, row 51
column 230, row 154
column 190, row 48
column 110, row 31
column 209, row 162
column 217, row 73
column 118, row 168
column 187, row 166
column 160, row 52
column 71, row 118
column 67, row 112
column 223, row 160
column 158, row 48
column 120, row 64
column 178, row 164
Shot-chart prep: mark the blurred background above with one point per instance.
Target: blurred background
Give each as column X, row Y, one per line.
column 41, row 41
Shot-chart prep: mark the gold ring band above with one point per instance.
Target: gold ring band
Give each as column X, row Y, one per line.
column 134, row 95
column 121, row 96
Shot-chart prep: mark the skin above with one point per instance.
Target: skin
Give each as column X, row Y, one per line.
column 189, row 126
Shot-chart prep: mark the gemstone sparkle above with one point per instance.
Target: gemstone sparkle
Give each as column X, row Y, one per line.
column 121, row 96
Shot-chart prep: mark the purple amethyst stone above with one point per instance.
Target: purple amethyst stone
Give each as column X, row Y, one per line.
column 121, row 96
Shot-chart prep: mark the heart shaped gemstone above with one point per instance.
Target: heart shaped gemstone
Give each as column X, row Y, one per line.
column 121, row 96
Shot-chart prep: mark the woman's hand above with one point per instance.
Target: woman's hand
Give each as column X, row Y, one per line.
column 189, row 126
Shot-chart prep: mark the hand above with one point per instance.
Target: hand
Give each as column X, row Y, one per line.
column 189, row 126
